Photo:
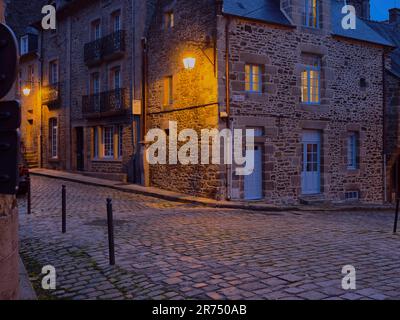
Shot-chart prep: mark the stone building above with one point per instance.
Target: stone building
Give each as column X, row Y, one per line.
column 21, row 15
column 318, row 97
column 85, row 87
column 312, row 91
column 391, row 31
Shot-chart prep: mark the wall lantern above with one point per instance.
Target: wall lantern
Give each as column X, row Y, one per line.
column 26, row 91
column 189, row 63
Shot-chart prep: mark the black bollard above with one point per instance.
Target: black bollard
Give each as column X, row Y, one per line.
column 110, row 223
column 28, row 196
column 396, row 219
column 64, row 209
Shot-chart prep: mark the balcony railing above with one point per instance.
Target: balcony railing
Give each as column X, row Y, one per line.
column 51, row 94
column 107, row 48
column 105, row 103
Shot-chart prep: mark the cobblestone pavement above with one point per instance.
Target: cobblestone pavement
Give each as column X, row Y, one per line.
column 167, row 250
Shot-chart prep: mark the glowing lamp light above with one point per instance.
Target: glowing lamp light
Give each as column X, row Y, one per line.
column 26, row 91
column 189, row 63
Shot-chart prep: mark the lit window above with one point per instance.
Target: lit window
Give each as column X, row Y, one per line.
column 108, row 142
column 253, row 78
column 24, row 45
column 168, row 91
column 120, row 140
column 53, row 72
column 352, row 151
column 53, row 132
column 310, row 84
column 169, row 20
column 95, row 142
column 311, row 13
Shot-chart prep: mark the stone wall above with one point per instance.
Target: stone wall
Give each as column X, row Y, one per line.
column 345, row 106
column 195, row 95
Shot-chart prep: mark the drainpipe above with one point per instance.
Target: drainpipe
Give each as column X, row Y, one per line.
column 145, row 176
column 40, row 95
column 384, row 129
column 228, row 107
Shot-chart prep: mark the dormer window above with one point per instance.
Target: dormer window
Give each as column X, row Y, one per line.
column 311, row 13
column 24, row 45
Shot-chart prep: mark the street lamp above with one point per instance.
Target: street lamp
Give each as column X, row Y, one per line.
column 26, row 91
column 189, row 63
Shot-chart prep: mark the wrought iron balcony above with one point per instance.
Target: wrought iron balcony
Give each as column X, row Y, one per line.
column 107, row 48
column 113, row 45
column 92, row 52
column 108, row 103
column 51, row 94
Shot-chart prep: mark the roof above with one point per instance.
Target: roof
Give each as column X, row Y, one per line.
column 269, row 11
column 362, row 31
column 392, row 33
column 261, row 10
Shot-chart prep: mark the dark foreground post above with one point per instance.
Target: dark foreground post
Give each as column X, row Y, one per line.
column 396, row 219
column 110, row 223
column 28, row 196
column 64, row 209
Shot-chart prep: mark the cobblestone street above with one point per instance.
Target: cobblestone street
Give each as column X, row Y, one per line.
column 168, row 250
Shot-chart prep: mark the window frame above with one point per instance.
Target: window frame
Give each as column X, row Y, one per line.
column 120, row 141
column 114, row 15
column 114, row 72
column 24, row 45
column 106, row 154
column 96, row 148
column 353, row 151
column 311, row 21
column 95, row 76
column 93, row 30
column 169, row 20
column 308, row 70
column 53, row 72
column 168, row 98
column 251, row 81
column 53, row 132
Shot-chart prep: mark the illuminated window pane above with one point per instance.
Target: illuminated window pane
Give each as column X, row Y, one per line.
column 252, row 78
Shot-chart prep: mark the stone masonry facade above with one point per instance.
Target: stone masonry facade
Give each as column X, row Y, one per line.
column 355, row 97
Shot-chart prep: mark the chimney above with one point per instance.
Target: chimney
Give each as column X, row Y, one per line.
column 363, row 8
column 394, row 16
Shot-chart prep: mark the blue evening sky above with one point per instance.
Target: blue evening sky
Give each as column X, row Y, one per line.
column 380, row 8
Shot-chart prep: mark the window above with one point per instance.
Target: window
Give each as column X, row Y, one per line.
column 311, row 13
column 95, row 83
column 95, row 142
column 253, row 78
column 116, row 21
column 24, row 45
column 108, row 142
column 53, row 133
column 116, row 78
column 120, row 140
column 169, row 20
column 168, row 91
column 96, row 30
column 310, row 81
column 53, row 72
column 352, row 151
column 31, row 75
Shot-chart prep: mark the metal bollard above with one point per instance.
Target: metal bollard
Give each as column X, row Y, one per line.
column 396, row 219
column 110, row 223
column 29, row 205
column 64, row 209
